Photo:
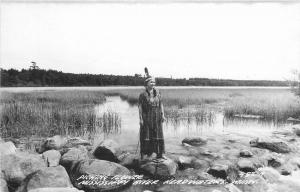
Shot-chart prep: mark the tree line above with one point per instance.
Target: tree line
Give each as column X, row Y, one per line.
column 35, row 76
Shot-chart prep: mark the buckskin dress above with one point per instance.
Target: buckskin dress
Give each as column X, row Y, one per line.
column 151, row 133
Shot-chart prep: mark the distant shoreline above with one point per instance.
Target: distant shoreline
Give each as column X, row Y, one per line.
column 53, row 78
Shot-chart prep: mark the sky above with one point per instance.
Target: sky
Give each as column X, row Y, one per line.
column 257, row 41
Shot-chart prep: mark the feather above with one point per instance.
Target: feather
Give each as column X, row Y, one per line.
column 147, row 72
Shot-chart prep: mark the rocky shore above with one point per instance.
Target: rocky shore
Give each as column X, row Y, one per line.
column 214, row 163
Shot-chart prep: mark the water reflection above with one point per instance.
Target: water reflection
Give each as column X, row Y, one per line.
column 194, row 122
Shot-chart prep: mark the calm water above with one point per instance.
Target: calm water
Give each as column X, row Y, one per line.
column 129, row 132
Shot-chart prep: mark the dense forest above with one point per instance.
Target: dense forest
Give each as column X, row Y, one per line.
column 35, row 76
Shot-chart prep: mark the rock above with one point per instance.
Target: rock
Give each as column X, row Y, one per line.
column 52, row 157
column 246, row 153
column 218, row 170
column 274, row 162
column 61, row 143
column 56, row 142
column 94, row 167
column 204, row 176
column 200, row 164
column 245, row 165
column 56, row 189
column 163, row 169
column 223, row 171
column 73, row 155
column 76, row 141
column 196, row 141
column 270, row 174
column 297, row 131
column 192, row 174
column 48, row 177
column 17, row 167
column 259, row 184
column 188, row 173
column 209, row 154
column 129, row 160
column 278, row 147
column 7, row 148
column 295, row 162
column 286, row 169
column 107, row 150
column 185, row 162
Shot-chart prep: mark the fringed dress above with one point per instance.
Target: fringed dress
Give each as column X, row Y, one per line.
column 151, row 133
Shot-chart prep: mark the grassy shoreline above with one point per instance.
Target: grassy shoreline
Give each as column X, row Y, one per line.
column 46, row 113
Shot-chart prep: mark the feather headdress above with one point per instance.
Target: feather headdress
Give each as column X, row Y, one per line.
column 148, row 76
column 147, row 72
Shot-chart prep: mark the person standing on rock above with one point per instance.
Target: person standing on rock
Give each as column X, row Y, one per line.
column 151, row 114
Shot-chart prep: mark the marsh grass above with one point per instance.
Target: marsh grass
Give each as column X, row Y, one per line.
column 46, row 113
column 200, row 114
column 110, row 122
column 57, row 112
column 275, row 107
column 274, row 104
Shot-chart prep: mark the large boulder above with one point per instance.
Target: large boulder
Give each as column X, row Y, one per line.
column 246, row 165
column 17, row 167
column 194, row 141
column 295, row 162
column 258, row 184
column 52, row 157
column 81, row 171
column 159, row 169
column 270, row 174
column 192, row 174
column 200, row 164
column 185, row 161
column 246, row 153
column 286, row 169
column 278, row 147
column 56, row 142
column 56, row 189
column 73, row 155
column 224, row 170
column 297, row 131
column 76, row 141
column 7, row 148
column 61, row 143
column 129, row 160
column 107, row 150
column 48, row 177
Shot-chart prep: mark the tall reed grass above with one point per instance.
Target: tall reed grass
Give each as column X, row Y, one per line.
column 271, row 107
column 55, row 112
column 201, row 115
